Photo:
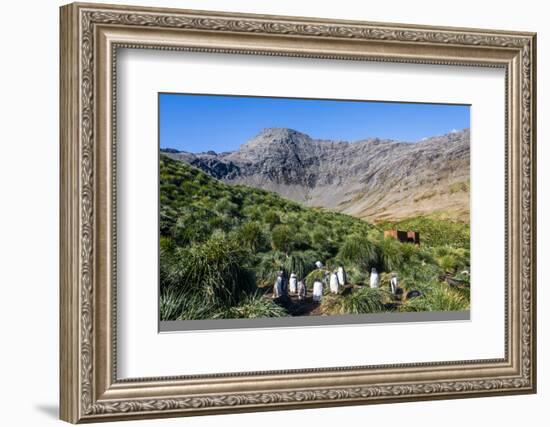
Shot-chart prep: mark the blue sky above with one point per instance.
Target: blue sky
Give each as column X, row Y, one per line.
column 198, row 123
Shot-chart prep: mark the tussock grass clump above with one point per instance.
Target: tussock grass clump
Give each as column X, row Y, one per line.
column 175, row 306
column 391, row 254
column 440, row 297
column 357, row 276
column 169, row 304
column 253, row 306
column 252, row 237
column 452, row 259
column 267, row 267
column 360, row 301
column 358, row 250
column 213, row 274
column 300, row 262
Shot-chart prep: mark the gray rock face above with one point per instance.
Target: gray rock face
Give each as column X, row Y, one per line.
column 373, row 179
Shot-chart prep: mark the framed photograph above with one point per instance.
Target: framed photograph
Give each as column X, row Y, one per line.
column 306, row 231
column 266, row 213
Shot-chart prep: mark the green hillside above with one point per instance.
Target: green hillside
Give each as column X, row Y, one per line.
column 221, row 247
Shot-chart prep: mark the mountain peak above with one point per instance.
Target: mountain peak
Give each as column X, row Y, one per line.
column 276, row 136
column 280, row 133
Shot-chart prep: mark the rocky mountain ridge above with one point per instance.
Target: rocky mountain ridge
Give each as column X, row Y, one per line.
column 374, row 179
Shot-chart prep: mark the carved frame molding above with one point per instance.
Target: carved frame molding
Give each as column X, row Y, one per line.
column 90, row 36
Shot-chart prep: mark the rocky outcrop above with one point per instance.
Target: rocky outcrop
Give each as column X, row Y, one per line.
column 373, row 178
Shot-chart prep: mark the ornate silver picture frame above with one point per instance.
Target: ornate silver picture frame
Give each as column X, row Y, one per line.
column 91, row 35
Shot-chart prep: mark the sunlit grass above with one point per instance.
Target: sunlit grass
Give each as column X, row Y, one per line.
column 221, row 245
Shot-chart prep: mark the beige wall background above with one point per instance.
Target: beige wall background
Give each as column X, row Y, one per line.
column 29, row 170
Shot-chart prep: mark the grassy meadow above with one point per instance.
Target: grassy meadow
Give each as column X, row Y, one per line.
column 221, row 247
